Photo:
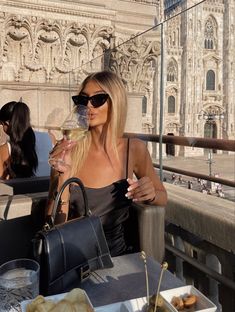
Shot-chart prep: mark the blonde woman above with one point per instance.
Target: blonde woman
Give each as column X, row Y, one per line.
column 105, row 162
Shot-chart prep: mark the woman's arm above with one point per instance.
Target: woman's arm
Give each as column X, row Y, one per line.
column 56, row 182
column 60, row 172
column 4, row 157
column 148, row 188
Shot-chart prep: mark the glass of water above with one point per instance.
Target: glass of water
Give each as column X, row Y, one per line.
column 19, row 281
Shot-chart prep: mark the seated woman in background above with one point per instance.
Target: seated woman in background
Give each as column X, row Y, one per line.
column 18, row 158
column 105, row 162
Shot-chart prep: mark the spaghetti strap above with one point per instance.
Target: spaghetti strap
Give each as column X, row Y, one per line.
column 127, row 157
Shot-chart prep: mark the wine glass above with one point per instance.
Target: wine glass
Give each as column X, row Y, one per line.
column 74, row 128
column 76, row 124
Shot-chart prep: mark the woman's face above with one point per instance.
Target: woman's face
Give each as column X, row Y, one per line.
column 97, row 116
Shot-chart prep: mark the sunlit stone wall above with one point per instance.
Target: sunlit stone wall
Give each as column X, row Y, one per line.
column 49, row 47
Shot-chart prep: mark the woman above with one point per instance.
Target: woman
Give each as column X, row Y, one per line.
column 18, row 158
column 105, row 162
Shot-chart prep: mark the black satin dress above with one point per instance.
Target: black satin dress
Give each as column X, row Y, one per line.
column 111, row 205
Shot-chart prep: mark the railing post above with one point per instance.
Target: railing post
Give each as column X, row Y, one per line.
column 162, row 92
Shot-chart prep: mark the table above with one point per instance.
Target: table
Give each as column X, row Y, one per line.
column 126, row 280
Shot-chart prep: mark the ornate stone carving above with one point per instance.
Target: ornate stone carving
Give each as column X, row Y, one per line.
column 134, row 62
column 172, row 32
column 47, row 50
column 173, row 127
column 214, row 110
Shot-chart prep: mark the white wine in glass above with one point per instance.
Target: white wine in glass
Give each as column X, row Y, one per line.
column 76, row 124
column 74, row 128
column 73, row 134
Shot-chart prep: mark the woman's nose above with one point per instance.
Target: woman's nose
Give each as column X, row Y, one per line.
column 89, row 105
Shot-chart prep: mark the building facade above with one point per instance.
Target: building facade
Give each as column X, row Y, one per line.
column 48, row 47
column 200, row 68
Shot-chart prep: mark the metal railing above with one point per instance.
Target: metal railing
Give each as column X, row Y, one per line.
column 219, row 144
column 218, row 286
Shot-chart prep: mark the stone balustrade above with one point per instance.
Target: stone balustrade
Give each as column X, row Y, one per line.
column 208, row 217
column 202, row 227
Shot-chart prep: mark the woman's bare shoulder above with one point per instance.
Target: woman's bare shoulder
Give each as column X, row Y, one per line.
column 138, row 146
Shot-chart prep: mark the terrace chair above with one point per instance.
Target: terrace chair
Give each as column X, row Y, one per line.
column 145, row 230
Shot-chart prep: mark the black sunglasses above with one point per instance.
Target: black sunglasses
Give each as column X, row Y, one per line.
column 96, row 100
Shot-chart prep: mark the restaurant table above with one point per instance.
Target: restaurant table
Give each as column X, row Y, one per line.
column 126, row 280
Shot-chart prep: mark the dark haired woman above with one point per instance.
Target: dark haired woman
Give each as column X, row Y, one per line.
column 18, row 158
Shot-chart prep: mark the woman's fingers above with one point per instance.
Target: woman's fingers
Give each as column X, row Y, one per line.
column 60, row 147
column 60, row 166
column 59, row 157
column 141, row 190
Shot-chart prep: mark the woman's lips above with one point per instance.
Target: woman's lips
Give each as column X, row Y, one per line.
column 92, row 116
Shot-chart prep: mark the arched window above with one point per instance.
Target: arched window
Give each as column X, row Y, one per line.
column 210, row 33
column 144, row 105
column 172, row 71
column 171, row 104
column 210, row 80
column 209, row 44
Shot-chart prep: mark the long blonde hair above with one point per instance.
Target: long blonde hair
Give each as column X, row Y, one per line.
column 113, row 86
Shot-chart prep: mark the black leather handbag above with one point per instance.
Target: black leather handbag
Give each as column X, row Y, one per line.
column 68, row 252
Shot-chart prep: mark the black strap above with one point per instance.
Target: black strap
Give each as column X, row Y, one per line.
column 8, row 206
column 127, row 157
column 58, row 197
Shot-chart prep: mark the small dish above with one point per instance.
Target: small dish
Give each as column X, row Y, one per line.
column 203, row 304
column 55, row 298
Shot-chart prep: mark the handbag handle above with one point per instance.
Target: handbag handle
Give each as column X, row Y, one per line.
column 58, row 197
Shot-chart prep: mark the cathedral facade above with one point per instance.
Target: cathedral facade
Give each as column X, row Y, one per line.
column 200, row 68
column 48, row 47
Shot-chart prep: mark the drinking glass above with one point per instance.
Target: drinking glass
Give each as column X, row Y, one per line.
column 76, row 124
column 74, row 128
column 19, row 281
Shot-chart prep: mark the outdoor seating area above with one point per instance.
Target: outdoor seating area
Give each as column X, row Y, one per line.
column 193, row 234
column 21, row 218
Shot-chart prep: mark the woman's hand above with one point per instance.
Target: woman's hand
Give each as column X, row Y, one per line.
column 60, row 156
column 141, row 190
